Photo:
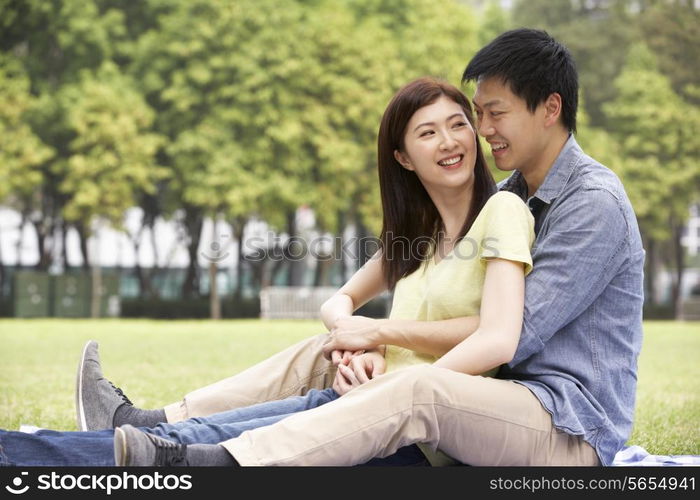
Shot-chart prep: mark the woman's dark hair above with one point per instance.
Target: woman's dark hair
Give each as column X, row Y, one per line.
column 534, row 65
column 410, row 217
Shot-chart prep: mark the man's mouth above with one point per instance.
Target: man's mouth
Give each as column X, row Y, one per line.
column 497, row 147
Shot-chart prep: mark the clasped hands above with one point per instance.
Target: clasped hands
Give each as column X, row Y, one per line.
column 353, row 346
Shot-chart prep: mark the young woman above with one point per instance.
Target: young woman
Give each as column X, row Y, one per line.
column 448, row 243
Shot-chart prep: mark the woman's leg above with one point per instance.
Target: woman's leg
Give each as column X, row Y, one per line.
column 57, row 449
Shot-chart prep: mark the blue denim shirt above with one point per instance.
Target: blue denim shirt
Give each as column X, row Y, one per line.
column 582, row 328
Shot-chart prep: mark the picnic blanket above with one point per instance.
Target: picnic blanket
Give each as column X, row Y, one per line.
column 636, row 456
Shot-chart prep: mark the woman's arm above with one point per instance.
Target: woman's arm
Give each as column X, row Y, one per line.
column 366, row 283
column 427, row 337
column 496, row 339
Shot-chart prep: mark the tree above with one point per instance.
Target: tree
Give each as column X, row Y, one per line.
column 659, row 135
column 21, row 151
column 598, row 34
column 672, row 31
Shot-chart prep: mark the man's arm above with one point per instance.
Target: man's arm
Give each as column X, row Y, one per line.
column 574, row 263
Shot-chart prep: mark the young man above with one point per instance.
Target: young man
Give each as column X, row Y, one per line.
column 567, row 396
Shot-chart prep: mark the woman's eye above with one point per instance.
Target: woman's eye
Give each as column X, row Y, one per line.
column 426, row 133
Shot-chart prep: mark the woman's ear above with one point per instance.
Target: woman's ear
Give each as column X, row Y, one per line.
column 403, row 160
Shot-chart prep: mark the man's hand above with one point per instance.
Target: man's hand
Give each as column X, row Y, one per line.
column 361, row 369
column 353, row 333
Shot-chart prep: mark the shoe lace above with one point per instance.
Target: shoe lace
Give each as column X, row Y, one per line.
column 169, row 453
column 121, row 394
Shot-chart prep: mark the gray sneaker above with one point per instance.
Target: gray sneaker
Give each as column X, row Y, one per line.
column 134, row 448
column 96, row 398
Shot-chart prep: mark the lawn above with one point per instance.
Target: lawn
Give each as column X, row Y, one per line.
column 156, row 362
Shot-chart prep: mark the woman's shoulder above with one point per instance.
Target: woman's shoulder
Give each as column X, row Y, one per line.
column 505, row 201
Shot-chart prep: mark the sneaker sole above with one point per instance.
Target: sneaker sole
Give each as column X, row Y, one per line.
column 80, row 409
column 119, row 447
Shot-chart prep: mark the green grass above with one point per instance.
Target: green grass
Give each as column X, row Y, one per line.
column 156, row 362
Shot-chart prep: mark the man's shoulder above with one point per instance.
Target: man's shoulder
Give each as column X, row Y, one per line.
column 593, row 179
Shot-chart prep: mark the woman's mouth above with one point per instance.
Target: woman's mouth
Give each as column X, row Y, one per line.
column 451, row 162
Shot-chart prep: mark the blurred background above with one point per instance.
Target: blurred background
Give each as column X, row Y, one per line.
column 174, row 158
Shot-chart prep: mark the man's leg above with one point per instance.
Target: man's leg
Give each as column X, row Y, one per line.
column 295, row 370
column 226, row 425
column 476, row 420
column 57, row 448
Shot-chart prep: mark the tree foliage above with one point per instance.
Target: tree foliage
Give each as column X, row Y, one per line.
column 210, row 108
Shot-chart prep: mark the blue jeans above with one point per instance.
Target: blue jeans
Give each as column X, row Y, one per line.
column 96, row 448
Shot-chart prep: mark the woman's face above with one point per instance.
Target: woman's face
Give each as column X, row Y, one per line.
column 440, row 146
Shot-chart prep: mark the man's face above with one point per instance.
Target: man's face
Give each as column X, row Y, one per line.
column 515, row 134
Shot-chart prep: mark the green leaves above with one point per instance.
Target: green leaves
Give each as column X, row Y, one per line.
column 659, row 139
column 21, row 152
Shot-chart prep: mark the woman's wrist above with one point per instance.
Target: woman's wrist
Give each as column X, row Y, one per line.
column 382, row 334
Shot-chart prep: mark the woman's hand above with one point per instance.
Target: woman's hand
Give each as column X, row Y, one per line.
column 353, row 333
column 361, row 369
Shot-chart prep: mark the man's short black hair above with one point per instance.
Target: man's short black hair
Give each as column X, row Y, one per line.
column 534, row 65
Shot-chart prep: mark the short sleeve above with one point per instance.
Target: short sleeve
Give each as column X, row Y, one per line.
column 509, row 230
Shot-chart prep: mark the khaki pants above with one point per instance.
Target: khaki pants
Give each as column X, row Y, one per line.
column 476, row 420
column 290, row 372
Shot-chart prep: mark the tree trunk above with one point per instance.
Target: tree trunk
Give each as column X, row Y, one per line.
column 152, row 290
column 339, row 248
column 138, row 270
column 295, row 253
column 362, row 233
column 96, row 295
column 64, row 246
column 193, row 223
column 20, row 240
column 214, row 304
column 239, row 233
column 82, row 236
column 42, row 264
column 651, row 272
column 679, row 261
column 2, row 272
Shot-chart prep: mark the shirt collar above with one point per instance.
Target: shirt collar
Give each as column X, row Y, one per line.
column 556, row 178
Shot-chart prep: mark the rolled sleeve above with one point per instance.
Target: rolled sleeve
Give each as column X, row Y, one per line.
column 573, row 263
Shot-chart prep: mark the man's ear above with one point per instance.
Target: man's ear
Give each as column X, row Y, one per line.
column 403, row 160
column 552, row 109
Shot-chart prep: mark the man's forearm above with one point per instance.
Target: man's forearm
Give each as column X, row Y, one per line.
column 428, row 337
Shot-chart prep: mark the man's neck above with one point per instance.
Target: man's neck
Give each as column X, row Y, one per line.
column 535, row 176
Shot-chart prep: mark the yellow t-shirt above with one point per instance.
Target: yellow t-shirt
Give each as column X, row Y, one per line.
column 452, row 288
